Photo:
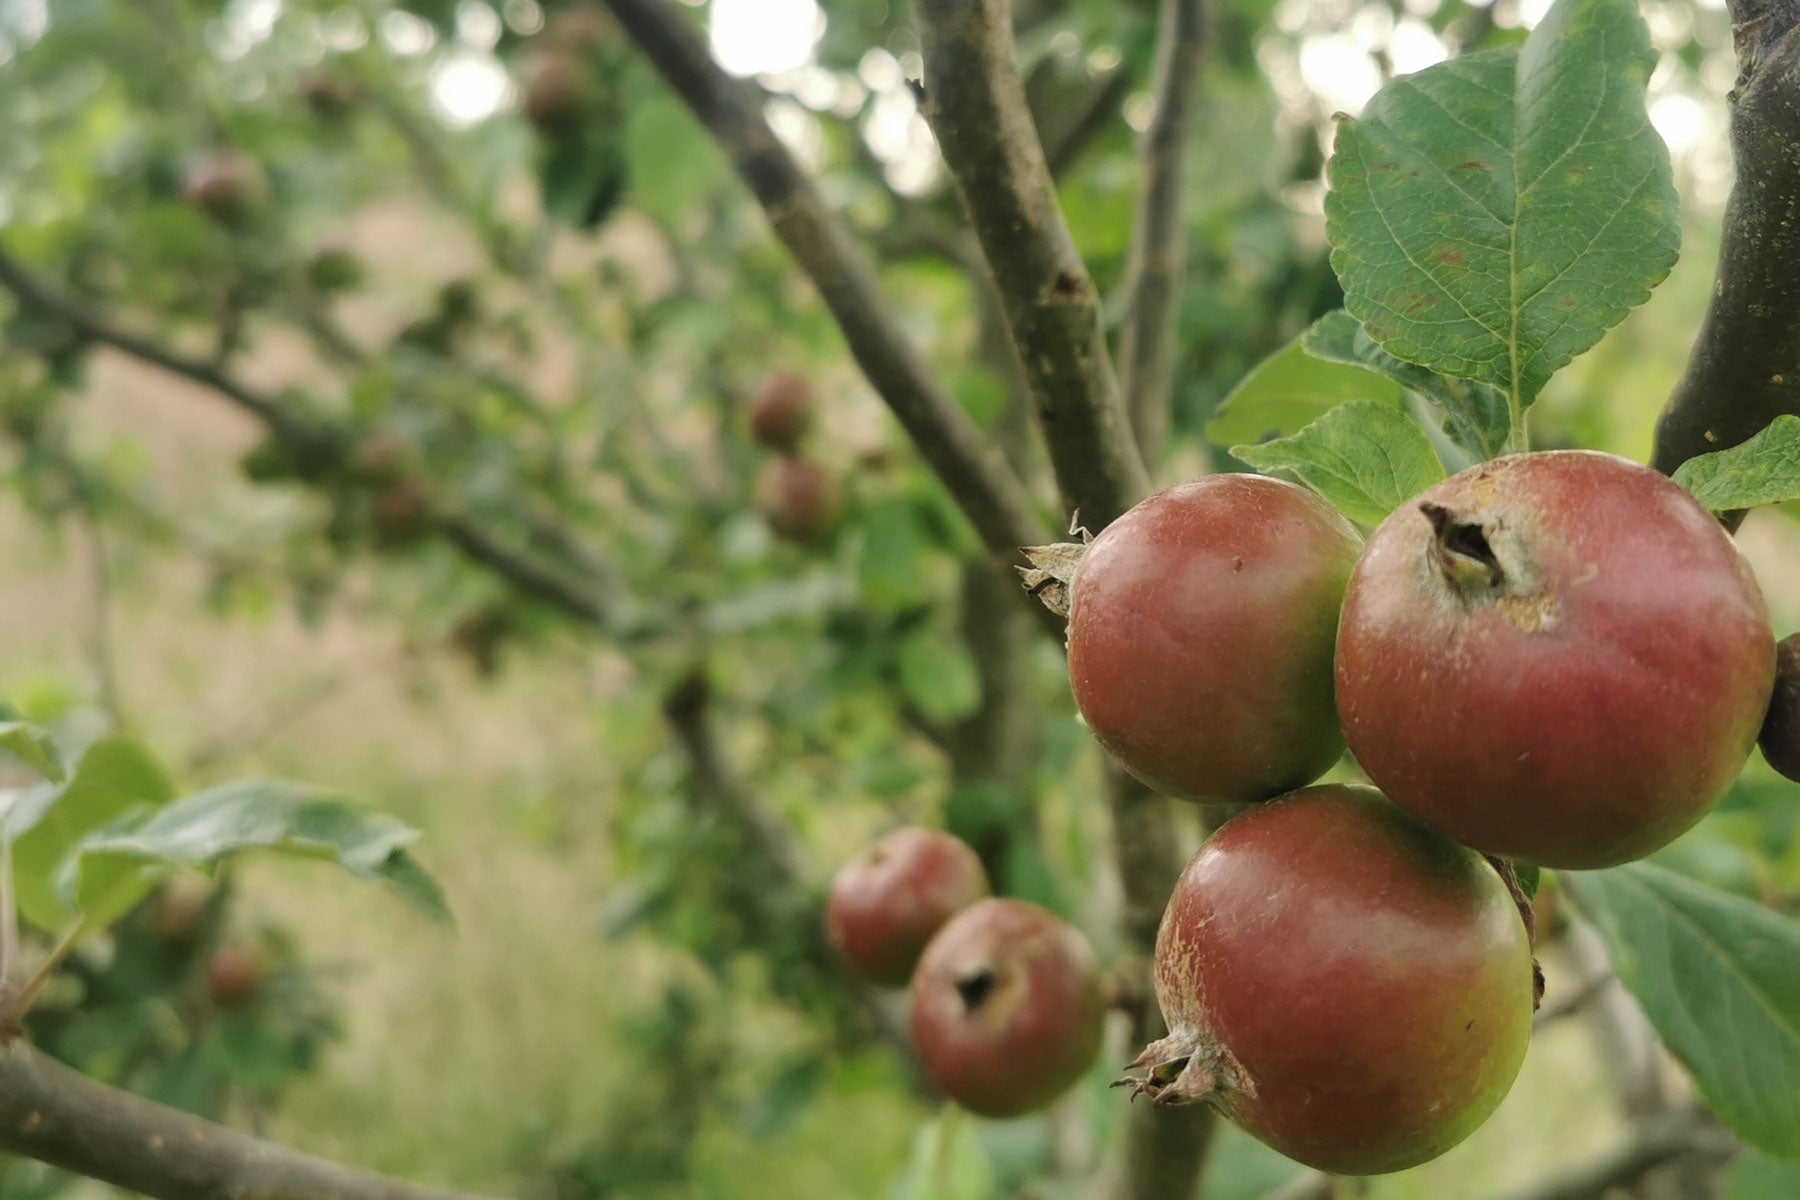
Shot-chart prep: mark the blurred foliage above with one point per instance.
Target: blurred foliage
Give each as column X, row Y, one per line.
column 545, row 326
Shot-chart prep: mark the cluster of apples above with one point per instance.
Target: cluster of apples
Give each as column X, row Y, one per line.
column 1007, row 999
column 1557, row 659
column 796, row 495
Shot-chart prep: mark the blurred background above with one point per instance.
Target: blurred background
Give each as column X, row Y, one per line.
column 451, row 504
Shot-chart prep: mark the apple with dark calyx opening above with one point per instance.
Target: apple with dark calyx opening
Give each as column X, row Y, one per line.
column 1007, row 1008
column 1343, row 982
column 1559, row 658
column 1201, row 626
column 888, row 903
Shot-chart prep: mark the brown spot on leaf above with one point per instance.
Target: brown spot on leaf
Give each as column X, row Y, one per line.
column 1449, row 257
column 1474, row 164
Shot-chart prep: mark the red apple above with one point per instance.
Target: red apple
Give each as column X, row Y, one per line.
column 1201, row 626
column 1007, row 1008
column 1556, row 657
column 887, row 903
column 1780, row 736
column 1350, row 987
column 781, row 411
column 798, row 498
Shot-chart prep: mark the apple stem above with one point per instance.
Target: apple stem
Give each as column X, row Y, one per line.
column 1518, row 436
column 1509, row 875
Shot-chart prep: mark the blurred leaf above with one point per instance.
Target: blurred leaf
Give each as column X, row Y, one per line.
column 1242, row 1168
column 1289, row 390
column 890, row 563
column 1757, row 1177
column 1029, row 875
column 947, row 1163
column 983, row 394
column 1364, row 457
column 583, row 177
column 1475, row 415
column 288, row 818
column 1531, row 877
column 115, row 775
column 1763, row 470
column 938, row 676
column 1719, row 978
column 32, row 746
column 671, row 161
column 1492, row 216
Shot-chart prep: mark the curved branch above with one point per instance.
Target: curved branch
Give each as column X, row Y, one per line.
column 975, row 102
column 591, row 600
column 978, row 478
column 1745, row 367
column 61, row 1117
column 1652, row 1144
column 1159, row 239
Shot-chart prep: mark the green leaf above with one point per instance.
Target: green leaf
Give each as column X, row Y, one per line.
column 1292, row 388
column 289, row 818
column 1763, row 470
column 669, row 159
column 946, row 1163
column 1756, row 1177
column 1475, row 415
column 31, row 745
column 938, row 677
column 1719, row 978
column 1531, row 878
column 1364, row 457
column 1492, row 216
column 115, row 775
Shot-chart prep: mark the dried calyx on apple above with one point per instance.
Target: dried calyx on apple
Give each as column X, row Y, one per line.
column 1557, row 657
column 1201, row 633
column 1347, row 985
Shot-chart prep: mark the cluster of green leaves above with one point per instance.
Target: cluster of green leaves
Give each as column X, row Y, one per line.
column 1490, row 219
column 104, row 843
column 89, row 843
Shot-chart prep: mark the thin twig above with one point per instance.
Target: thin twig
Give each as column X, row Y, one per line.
column 974, row 100
column 1653, row 1143
column 1159, row 239
column 591, row 598
column 1574, row 1002
column 9, row 939
column 977, row 477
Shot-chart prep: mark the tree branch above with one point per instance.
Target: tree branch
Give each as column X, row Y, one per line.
column 58, row 1116
column 1745, row 367
column 1064, row 148
column 975, row 102
column 1159, row 239
column 1673, row 1136
column 286, row 425
column 1162, row 1150
column 773, row 887
column 590, row 600
column 989, row 494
